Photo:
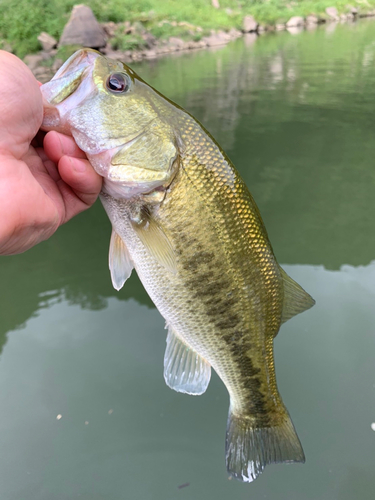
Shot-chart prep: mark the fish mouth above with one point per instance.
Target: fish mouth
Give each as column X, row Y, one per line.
column 64, row 84
column 69, row 76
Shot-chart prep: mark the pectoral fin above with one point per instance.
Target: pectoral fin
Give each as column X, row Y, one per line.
column 296, row 300
column 120, row 263
column 156, row 241
column 184, row 369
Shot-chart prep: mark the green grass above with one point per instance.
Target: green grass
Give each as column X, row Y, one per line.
column 273, row 11
column 166, row 30
column 132, row 41
column 22, row 21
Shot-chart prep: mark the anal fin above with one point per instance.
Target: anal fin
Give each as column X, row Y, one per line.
column 296, row 300
column 120, row 263
column 184, row 369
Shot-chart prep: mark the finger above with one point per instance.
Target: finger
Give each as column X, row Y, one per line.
column 84, row 182
column 49, row 165
column 46, row 181
column 57, row 145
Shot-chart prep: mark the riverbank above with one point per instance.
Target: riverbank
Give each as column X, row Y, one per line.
column 46, row 62
column 142, row 25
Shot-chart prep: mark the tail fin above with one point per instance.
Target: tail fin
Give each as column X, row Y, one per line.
column 249, row 447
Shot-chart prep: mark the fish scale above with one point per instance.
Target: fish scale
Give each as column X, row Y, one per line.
column 239, row 217
column 185, row 220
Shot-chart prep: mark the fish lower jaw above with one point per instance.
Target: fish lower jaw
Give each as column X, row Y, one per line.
column 120, row 190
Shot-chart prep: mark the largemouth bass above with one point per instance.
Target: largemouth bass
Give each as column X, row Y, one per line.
column 184, row 219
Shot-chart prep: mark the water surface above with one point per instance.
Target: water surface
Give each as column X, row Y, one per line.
column 296, row 116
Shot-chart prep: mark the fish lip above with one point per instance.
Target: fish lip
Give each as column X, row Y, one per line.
column 80, row 58
column 63, row 84
column 71, row 71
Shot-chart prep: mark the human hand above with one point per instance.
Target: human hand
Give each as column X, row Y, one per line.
column 43, row 183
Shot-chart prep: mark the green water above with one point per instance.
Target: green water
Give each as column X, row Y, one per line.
column 296, row 114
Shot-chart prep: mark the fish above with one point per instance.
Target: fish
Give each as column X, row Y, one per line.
column 183, row 218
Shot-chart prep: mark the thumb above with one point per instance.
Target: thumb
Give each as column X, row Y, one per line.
column 81, row 181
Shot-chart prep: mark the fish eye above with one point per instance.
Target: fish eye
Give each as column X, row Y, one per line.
column 118, row 83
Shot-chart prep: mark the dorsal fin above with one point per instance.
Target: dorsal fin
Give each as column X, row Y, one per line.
column 296, row 300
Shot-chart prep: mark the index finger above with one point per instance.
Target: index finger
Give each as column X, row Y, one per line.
column 57, row 145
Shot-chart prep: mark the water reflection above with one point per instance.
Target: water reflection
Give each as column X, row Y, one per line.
column 295, row 30
column 102, row 372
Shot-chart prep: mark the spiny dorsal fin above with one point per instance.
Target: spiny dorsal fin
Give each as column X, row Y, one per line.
column 156, row 241
column 184, row 369
column 120, row 263
column 296, row 300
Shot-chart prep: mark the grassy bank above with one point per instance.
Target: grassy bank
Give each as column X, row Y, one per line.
column 22, row 21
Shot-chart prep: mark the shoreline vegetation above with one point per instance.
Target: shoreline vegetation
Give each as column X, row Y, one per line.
column 46, row 32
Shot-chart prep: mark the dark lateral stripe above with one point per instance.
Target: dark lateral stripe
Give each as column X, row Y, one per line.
column 255, row 400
